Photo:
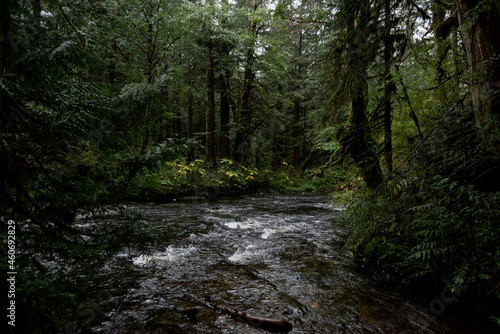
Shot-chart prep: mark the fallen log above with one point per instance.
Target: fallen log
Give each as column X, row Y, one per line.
column 272, row 325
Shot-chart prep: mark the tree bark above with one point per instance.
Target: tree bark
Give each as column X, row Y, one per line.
column 5, row 111
column 273, row 325
column 480, row 30
column 296, row 111
column 242, row 144
column 359, row 147
column 441, row 28
column 210, row 112
column 224, row 149
column 224, row 140
column 6, row 51
column 189, row 126
column 358, row 143
column 389, row 88
column 150, row 73
column 296, row 134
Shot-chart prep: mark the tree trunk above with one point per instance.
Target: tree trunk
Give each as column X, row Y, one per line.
column 210, row 112
column 224, row 149
column 246, row 114
column 357, row 142
column 189, row 125
column 5, row 111
column 224, row 141
column 177, row 124
column 389, row 88
column 242, row 149
column 150, row 77
column 6, row 50
column 481, row 39
column 235, row 112
column 296, row 134
column 358, row 145
column 273, row 325
column 441, row 47
column 296, row 111
column 112, row 64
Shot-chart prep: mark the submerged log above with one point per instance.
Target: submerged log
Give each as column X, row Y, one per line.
column 273, row 325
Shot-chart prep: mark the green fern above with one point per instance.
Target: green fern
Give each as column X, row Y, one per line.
column 447, row 224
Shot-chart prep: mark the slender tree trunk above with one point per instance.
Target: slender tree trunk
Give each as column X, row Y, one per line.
column 441, row 48
column 189, row 125
column 112, row 64
column 190, row 155
column 210, row 112
column 242, row 144
column 224, row 140
column 296, row 134
column 224, row 149
column 235, row 112
column 389, row 88
column 164, row 133
column 296, row 111
column 113, row 57
column 243, row 138
column 147, row 131
column 481, row 39
column 177, row 124
column 278, row 148
column 5, row 112
column 148, row 103
column 6, row 49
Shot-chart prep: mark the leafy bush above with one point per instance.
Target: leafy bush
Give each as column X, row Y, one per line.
column 180, row 178
column 173, row 178
column 440, row 219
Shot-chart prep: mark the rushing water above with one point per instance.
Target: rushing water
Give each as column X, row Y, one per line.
column 275, row 256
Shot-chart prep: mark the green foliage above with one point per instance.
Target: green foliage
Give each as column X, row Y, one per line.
column 91, row 93
column 347, row 187
column 440, row 220
column 172, row 179
column 285, row 180
column 60, row 166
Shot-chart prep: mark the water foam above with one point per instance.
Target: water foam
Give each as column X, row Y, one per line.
column 269, row 232
column 243, row 225
column 171, row 254
column 243, row 255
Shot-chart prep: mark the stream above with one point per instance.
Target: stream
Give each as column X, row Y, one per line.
column 276, row 256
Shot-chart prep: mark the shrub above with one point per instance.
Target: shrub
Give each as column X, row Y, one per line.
column 439, row 220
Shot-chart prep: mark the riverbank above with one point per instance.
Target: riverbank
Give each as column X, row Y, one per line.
column 177, row 179
column 434, row 240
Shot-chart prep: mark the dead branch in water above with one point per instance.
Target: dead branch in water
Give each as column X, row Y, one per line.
column 273, row 325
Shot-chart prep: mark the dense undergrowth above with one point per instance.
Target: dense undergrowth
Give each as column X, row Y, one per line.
column 168, row 180
column 439, row 219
